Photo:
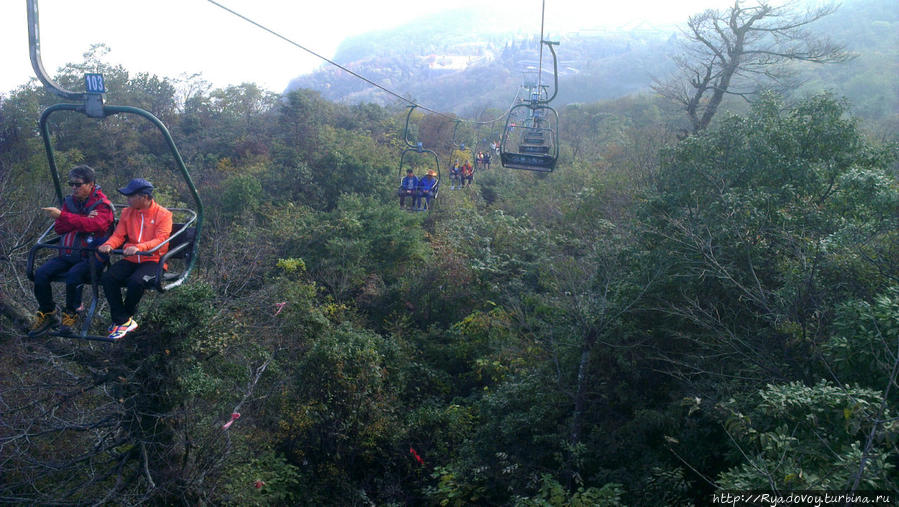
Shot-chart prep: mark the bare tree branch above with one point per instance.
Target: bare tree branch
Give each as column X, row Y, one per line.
column 747, row 47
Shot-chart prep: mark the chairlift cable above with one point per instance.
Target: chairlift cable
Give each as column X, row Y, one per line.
column 540, row 53
column 355, row 74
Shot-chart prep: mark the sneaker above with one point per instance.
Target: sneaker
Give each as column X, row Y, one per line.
column 69, row 322
column 119, row 331
column 42, row 323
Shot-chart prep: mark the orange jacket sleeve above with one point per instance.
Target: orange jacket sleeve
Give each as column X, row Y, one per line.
column 117, row 238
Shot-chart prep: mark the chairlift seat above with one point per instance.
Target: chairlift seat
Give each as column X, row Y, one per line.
column 32, row 255
column 531, row 148
column 181, row 246
column 539, row 163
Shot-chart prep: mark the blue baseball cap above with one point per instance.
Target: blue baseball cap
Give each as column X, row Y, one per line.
column 137, row 185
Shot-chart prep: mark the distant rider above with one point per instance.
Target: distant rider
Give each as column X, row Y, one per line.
column 427, row 188
column 408, row 188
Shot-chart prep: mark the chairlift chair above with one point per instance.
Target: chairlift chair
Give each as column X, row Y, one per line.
column 184, row 240
column 530, row 143
column 418, row 148
column 530, row 138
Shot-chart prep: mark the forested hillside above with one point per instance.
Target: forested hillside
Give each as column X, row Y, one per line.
column 661, row 318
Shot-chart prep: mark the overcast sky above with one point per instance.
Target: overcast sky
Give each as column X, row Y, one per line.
column 174, row 37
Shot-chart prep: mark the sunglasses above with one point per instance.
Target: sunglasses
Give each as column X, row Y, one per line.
column 74, row 184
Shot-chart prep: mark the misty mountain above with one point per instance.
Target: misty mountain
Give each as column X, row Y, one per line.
column 457, row 61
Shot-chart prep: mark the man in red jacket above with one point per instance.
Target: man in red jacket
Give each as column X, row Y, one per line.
column 83, row 223
column 143, row 226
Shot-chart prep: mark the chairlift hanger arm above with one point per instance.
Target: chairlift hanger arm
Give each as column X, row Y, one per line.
column 455, row 130
column 461, row 144
column 406, row 129
column 550, row 45
column 34, row 45
column 418, row 147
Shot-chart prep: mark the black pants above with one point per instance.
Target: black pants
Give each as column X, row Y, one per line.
column 77, row 271
column 406, row 193
column 130, row 275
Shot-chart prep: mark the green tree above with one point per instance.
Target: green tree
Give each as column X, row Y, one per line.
column 799, row 437
column 765, row 234
column 756, row 216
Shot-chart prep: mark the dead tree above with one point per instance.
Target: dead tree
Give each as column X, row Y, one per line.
column 740, row 50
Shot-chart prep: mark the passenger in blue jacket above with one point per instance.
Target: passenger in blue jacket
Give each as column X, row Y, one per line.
column 427, row 188
column 408, row 188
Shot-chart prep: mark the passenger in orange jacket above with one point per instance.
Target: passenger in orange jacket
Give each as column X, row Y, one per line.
column 144, row 225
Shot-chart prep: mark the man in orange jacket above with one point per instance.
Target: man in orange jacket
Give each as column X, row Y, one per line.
column 144, row 225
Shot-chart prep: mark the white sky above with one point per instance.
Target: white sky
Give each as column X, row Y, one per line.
column 171, row 37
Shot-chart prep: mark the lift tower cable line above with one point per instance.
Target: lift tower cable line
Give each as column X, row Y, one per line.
column 354, row 74
column 311, row 52
column 540, row 52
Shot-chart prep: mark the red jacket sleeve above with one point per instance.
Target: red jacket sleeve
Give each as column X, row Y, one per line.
column 68, row 221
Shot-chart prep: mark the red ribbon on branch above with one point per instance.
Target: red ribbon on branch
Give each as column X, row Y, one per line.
column 416, row 456
column 235, row 416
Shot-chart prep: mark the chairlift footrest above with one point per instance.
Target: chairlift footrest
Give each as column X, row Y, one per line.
column 78, row 336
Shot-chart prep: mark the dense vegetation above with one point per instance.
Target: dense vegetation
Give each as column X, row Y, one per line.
column 655, row 321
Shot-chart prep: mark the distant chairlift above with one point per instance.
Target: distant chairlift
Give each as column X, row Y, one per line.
column 417, row 148
column 530, row 138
